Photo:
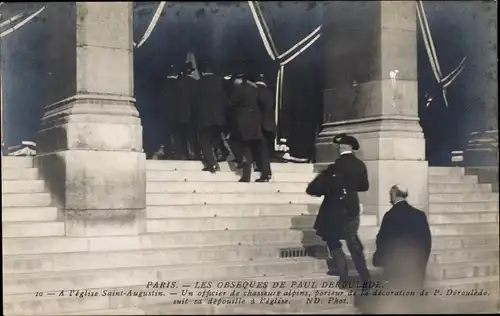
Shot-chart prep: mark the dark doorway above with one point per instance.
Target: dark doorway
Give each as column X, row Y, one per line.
column 225, row 35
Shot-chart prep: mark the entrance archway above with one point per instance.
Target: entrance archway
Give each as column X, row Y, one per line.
column 225, row 35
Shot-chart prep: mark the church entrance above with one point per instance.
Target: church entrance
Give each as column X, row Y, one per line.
column 225, row 35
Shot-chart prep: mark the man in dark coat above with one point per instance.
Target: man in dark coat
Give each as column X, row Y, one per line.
column 211, row 112
column 266, row 104
column 403, row 243
column 246, row 131
column 338, row 216
column 170, row 103
column 186, row 114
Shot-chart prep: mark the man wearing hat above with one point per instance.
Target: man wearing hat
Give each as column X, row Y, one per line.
column 266, row 104
column 186, row 114
column 246, row 130
column 211, row 109
column 339, row 215
column 170, row 99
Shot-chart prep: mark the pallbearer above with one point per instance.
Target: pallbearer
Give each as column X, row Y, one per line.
column 211, row 113
column 266, row 104
column 186, row 116
column 171, row 100
column 246, row 134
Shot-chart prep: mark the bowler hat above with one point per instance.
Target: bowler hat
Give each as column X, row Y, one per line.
column 346, row 140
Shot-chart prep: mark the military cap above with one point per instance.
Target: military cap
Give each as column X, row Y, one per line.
column 346, row 140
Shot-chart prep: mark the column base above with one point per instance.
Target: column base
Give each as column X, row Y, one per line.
column 95, row 180
column 92, row 223
column 482, row 149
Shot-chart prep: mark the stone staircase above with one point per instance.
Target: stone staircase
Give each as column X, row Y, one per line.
column 205, row 227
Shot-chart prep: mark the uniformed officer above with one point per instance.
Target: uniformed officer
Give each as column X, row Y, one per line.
column 338, row 217
column 211, row 114
column 266, row 104
column 246, row 134
column 186, row 115
column 170, row 100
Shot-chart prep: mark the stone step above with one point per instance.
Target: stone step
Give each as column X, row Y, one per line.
column 446, row 171
column 200, row 176
column 29, row 214
column 225, row 187
column 235, row 223
column 180, row 165
column 16, row 186
column 20, row 174
column 452, row 179
column 464, row 229
column 459, row 188
column 153, row 199
column 26, row 199
column 464, row 255
column 140, row 258
column 459, row 217
column 10, row 162
column 462, row 270
column 445, row 271
column 196, row 254
column 464, row 207
column 32, row 229
column 463, row 197
column 28, row 283
column 43, row 245
column 235, row 210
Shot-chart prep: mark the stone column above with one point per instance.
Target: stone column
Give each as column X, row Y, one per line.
column 365, row 42
column 482, row 92
column 90, row 137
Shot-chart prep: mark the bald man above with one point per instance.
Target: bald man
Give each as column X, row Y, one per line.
column 403, row 242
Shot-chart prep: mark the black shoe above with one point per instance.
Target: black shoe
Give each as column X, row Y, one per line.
column 263, row 179
column 244, row 180
column 210, row 169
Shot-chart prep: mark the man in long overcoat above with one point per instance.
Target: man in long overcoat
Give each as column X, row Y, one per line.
column 246, row 131
column 266, row 104
column 403, row 242
column 211, row 109
column 339, row 215
column 169, row 108
column 186, row 114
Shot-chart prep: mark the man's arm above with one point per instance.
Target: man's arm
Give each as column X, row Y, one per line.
column 322, row 184
column 364, row 184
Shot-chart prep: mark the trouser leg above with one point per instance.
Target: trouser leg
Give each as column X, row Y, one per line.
column 356, row 248
column 218, row 142
column 192, row 137
column 337, row 255
column 247, row 162
column 270, row 144
column 237, row 149
column 181, row 141
column 261, row 151
column 205, row 138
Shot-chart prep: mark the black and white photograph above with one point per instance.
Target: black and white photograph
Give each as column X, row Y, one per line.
column 249, row 157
